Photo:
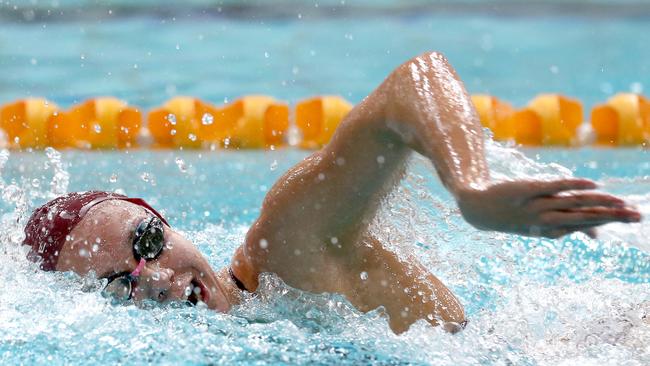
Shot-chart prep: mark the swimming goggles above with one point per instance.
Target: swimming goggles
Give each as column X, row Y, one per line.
column 148, row 243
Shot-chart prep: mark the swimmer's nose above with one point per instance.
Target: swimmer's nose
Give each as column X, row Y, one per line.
column 154, row 284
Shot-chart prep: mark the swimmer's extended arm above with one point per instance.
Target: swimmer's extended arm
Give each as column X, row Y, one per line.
column 314, row 220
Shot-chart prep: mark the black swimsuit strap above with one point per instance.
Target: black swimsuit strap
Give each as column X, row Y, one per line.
column 236, row 280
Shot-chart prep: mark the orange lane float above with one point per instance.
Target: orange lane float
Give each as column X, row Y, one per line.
column 495, row 115
column 26, row 122
column 317, row 119
column 623, row 120
column 549, row 119
column 249, row 122
column 98, row 123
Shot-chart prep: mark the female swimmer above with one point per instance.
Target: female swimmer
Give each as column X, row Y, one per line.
column 313, row 226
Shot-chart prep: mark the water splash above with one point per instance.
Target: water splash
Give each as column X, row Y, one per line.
column 529, row 301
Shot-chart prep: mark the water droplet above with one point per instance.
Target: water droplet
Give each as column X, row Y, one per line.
column 334, row 240
column 264, row 244
column 155, row 276
column 36, row 183
column 113, row 178
column 266, row 54
column 274, row 165
column 321, row 176
column 95, row 248
column 207, row 119
column 180, row 163
column 172, row 119
column 188, row 291
column 169, row 245
column 363, row 275
column 381, row 159
column 145, row 177
column 192, row 137
column 172, row 132
column 97, row 128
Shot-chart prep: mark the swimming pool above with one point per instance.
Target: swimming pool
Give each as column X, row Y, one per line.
column 529, row 301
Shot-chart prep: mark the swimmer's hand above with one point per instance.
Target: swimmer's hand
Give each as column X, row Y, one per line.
column 543, row 208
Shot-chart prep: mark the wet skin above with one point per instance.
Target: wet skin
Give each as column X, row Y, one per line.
column 313, row 227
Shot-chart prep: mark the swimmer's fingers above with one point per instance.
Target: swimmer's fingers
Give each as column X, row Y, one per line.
column 577, row 200
column 557, row 233
column 544, row 188
column 593, row 216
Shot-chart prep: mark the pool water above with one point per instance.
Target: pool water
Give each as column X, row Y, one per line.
column 530, row 301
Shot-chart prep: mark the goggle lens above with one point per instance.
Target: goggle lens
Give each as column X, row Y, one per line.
column 149, row 239
column 119, row 289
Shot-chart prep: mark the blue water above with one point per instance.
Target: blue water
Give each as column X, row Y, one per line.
column 529, row 301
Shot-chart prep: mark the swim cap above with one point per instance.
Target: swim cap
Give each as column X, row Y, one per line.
column 50, row 224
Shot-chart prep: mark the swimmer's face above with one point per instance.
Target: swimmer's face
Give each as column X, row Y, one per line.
column 103, row 242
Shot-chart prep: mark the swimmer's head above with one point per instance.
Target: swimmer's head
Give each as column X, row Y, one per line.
column 113, row 235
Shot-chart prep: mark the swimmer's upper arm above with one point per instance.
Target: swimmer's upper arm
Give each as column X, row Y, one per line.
column 327, row 200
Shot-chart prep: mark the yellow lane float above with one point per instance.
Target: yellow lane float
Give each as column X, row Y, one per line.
column 317, row 119
column 27, row 122
column 623, row 120
column 98, row 123
column 255, row 121
column 249, row 122
column 176, row 123
column 495, row 115
column 549, row 119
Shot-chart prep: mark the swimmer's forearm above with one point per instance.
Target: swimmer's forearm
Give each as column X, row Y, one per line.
column 428, row 109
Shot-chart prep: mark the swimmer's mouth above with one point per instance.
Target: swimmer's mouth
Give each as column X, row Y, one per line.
column 197, row 294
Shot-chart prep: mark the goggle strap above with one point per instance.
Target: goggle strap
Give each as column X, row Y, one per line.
column 139, row 268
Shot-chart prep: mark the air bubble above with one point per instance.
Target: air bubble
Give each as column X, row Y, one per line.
column 155, row 276
column 274, row 165
column 264, row 243
column 363, row 275
column 172, row 119
column 113, row 178
column 97, row 128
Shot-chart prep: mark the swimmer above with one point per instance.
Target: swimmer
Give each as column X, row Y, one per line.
column 312, row 230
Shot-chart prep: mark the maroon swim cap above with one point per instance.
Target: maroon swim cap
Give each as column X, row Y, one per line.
column 50, row 224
